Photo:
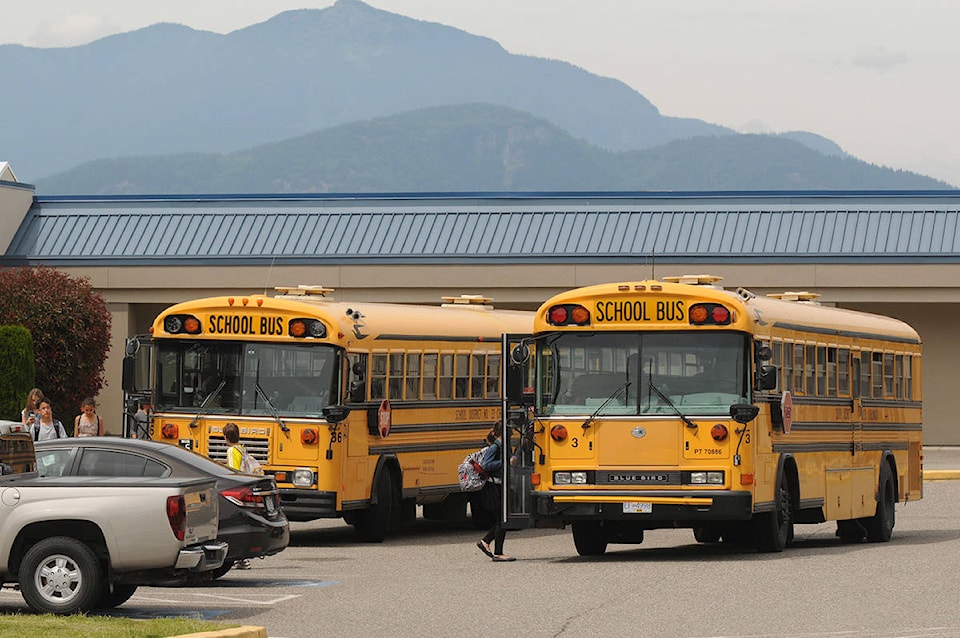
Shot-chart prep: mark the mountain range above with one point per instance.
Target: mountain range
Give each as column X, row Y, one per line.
column 354, row 99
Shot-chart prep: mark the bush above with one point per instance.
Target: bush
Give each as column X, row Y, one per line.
column 16, row 370
column 70, row 325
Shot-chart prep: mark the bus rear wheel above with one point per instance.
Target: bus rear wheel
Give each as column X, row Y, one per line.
column 880, row 525
column 589, row 539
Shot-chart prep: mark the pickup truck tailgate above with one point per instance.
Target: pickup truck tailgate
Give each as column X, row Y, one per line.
column 203, row 512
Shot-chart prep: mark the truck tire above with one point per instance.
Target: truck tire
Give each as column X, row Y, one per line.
column 61, row 575
column 119, row 595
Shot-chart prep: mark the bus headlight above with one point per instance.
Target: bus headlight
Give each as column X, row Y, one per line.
column 569, row 478
column 302, row 477
column 706, row 478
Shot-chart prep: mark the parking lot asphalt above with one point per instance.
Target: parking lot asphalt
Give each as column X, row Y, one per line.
column 940, row 463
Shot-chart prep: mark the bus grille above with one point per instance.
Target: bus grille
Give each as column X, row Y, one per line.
column 258, row 448
column 638, row 477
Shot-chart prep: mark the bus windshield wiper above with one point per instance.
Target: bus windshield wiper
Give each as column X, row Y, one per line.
column 273, row 410
column 203, row 406
column 613, row 396
column 690, row 424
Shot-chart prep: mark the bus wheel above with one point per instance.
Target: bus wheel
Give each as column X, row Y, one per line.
column 851, row 531
column 589, row 538
column 775, row 528
column 373, row 524
column 706, row 534
column 880, row 525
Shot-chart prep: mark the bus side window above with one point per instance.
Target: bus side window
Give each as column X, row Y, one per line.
column 462, row 376
column 865, row 374
column 446, row 376
column 413, row 376
column 378, row 375
column 843, row 372
column 493, row 375
column 908, row 377
column 395, row 372
column 430, row 361
column 477, row 369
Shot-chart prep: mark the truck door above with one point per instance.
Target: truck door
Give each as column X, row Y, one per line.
column 520, row 454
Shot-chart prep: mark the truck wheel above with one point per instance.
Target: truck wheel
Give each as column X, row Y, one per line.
column 119, row 595
column 589, row 539
column 60, row 575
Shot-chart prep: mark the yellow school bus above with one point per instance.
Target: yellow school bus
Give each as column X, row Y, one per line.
column 677, row 403
column 360, row 410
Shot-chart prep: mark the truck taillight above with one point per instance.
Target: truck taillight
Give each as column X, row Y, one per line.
column 177, row 515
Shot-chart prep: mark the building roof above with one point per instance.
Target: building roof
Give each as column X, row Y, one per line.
column 873, row 227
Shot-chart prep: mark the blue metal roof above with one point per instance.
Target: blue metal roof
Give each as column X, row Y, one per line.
column 874, row 227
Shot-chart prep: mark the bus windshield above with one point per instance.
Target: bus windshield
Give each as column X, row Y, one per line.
column 228, row 377
column 695, row 373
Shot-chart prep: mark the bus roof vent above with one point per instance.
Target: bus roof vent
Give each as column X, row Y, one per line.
column 467, row 300
column 695, row 280
column 303, row 290
column 791, row 295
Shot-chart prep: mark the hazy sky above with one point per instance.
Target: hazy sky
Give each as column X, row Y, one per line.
column 875, row 76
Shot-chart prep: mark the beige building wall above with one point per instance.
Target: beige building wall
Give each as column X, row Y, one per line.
column 922, row 295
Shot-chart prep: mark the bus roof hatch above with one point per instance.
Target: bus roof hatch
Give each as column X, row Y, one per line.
column 694, row 280
column 467, row 300
column 303, row 290
column 792, row 295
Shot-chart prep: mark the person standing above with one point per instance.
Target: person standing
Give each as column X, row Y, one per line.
column 31, row 411
column 141, row 421
column 47, row 427
column 492, row 464
column 88, row 422
column 235, row 460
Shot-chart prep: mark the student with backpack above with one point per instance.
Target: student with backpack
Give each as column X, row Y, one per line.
column 47, row 427
column 238, row 459
column 492, row 464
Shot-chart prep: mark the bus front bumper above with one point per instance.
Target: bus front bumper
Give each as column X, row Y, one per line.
column 308, row 505
column 660, row 508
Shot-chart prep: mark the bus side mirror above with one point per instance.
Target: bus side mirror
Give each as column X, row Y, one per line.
column 357, row 390
column 129, row 374
column 335, row 413
column 744, row 412
column 515, row 384
column 767, row 377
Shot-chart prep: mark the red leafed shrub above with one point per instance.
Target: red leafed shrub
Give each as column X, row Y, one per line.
column 70, row 325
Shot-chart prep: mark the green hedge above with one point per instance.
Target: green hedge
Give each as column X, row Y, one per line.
column 17, row 371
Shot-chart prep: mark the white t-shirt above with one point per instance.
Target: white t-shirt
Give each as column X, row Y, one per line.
column 48, row 432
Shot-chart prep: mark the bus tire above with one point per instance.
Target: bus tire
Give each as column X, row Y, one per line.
column 880, row 525
column 707, row 534
column 373, row 525
column 775, row 528
column 589, row 539
column 851, row 531
column 61, row 575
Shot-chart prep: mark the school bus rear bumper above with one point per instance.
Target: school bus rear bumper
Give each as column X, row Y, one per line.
column 674, row 505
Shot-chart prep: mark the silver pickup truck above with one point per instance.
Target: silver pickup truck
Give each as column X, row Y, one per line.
column 80, row 543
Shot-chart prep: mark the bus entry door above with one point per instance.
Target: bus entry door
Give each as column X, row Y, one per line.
column 518, row 443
